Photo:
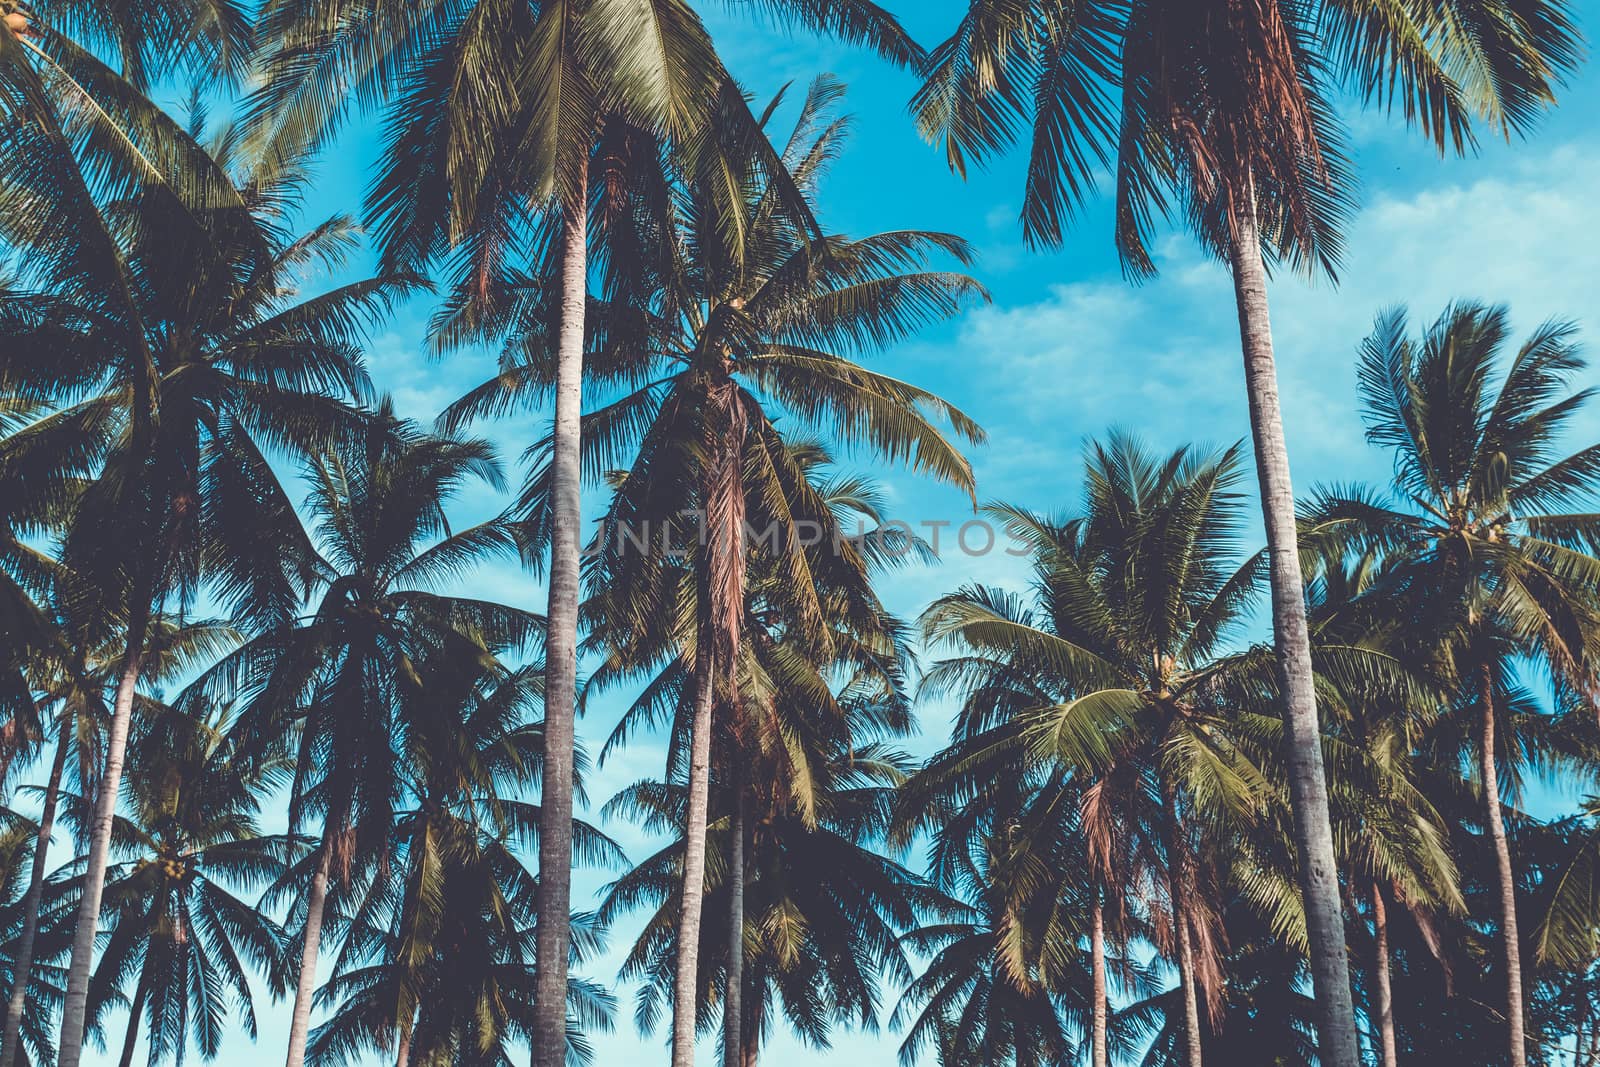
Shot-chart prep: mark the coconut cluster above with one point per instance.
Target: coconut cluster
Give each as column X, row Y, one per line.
column 18, row 19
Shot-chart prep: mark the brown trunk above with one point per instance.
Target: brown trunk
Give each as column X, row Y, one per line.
column 131, row 1038
column 554, row 902
column 105, row 807
column 694, row 862
column 22, row 968
column 721, row 587
column 1097, row 958
column 752, row 1035
column 1178, row 884
column 1308, row 787
column 1510, row 940
column 403, row 1057
column 1382, row 995
column 733, row 1009
column 11, row 737
column 300, row 1021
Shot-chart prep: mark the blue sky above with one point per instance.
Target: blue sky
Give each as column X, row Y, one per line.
column 1067, row 349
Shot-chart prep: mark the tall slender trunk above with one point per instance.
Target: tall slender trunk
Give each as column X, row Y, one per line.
column 1510, row 939
column 131, row 1038
column 1178, row 884
column 1308, row 787
column 105, row 807
column 403, row 1057
column 721, row 581
column 1382, row 994
column 300, row 1021
column 22, row 968
column 752, row 1035
column 1097, row 961
column 685, row 980
column 733, row 1008
column 554, row 902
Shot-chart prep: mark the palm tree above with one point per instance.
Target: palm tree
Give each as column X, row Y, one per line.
column 822, row 911
column 802, row 784
column 1140, row 704
column 356, row 684
column 1226, row 119
column 729, row 330
column 170, row 329
column 40, row 925
column 438, row 963
column 1487, row 561
column 969, row 1004
column 1393, row 841
column 498, row 110
column 176, row 925
column 72, row 690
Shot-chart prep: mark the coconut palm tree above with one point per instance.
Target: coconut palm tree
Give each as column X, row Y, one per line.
column 40, row 924
column 38, row 487
column 438, row 964
column 1487, row 537
column 1221, row 113
column 183, row 356
column 357, row 682
column 497, row 107
column 177, row 928
column 1393, row 839
column 968, row 1004
column 731, row 332
column 1137, row 698
column 796, row 714
column 821, row 912
column 72, row 692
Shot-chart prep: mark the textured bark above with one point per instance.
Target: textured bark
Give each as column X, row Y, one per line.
column 1178, row 885
column 1308, row 787
column 11, row 738
column 131, row 1038
column 733, row 1008
column 1097, row 957
column 694, row 863
column 300, row 1021
column 721, row 586
column 22, row 968
column 1510, row 939
column 554, row 904
column 752, row 1034
column 1382, row 994
column 94, row 881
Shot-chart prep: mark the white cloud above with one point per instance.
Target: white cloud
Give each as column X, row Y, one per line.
column 1163, row 357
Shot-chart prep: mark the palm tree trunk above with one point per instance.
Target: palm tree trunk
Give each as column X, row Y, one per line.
column 1308, row 787
column 1510, row 940
column 1097, row 960
column 752, row 1035
column 300, row 1021
column 11, row 735
column 685, row 981
column 733, row 1009
column 403, row 1057
column 554, row 902
column 131, row 1038
column 1178, row 885
column 105, row 808
column 22, row 968
column 1383, row 995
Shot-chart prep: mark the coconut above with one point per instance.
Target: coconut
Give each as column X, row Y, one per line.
column 19, row 23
